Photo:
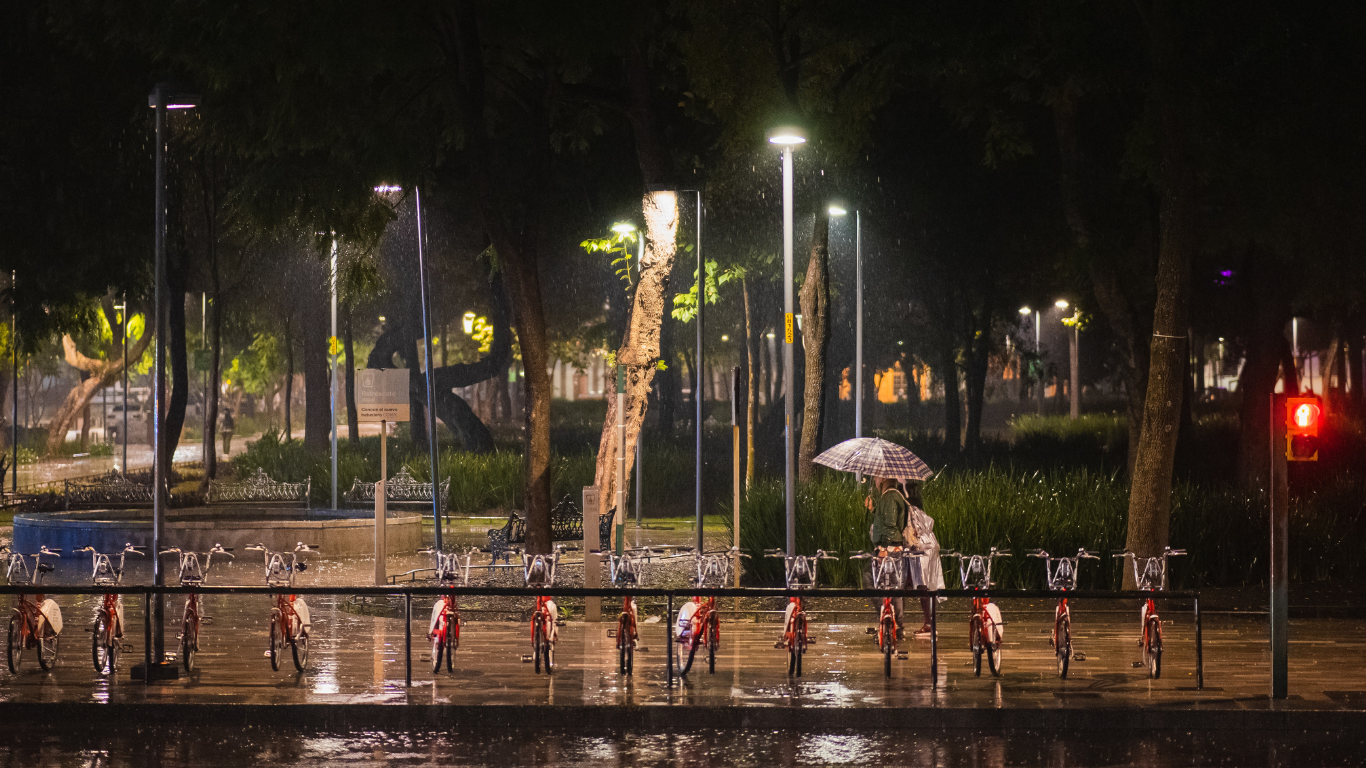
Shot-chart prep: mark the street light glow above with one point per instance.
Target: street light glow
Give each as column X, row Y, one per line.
column 388, row 188
column 622, row 227
column 771, row 335
column 467, row 323
column 835, row 210
column 787, row 135
column 1061, row 304
column 1025, row 310
column 724, row 337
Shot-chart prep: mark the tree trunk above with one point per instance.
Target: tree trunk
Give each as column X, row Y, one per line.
column 1151, row 487
column 215, row 377
column 352, row 415
column 1266, row 346
column 180, row 370
column 751, row 394
column 815, row 304
column 639, row 351
column 102, row 374
column 289, row 380
column 317, row 389
column 953, row 406
column 979, row 355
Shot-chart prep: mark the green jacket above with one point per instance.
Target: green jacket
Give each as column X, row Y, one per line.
column 889, row 518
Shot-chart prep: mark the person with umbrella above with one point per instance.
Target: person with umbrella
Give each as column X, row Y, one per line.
column 898, row 518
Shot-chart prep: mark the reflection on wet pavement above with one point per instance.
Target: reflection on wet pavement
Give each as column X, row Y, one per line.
column 219, row 746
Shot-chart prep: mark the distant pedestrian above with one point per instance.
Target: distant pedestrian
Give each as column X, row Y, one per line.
column 227, row 431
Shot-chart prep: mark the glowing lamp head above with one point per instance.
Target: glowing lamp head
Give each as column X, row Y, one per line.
column 467, row 323
column 1025, row 310
column 787, row 136
column 836, row 210
column 623, row 227
column 1061, row 304
column 386, row 188
column 724, row 337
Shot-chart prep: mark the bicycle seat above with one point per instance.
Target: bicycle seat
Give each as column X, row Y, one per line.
column 46, row 568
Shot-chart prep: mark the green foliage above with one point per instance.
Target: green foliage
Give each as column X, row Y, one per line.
column 685, row 304
column 617, row 244
column 830, row 516
column 259, row 366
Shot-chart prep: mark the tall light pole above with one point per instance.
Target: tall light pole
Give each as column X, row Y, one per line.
column 838, row 210
column 431, row 380
column 123, row 431
column 14, row 369
column 162, row 98
column 698, row 390
column 1038, row 352
column 788, row 137
column 332, row 347
column 1074, row 379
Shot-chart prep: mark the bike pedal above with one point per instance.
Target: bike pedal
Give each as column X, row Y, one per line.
column 1136, row 664
column 1078, row 657
column 205, row 620
column 425, row 657
column 902, row 655
column 126, row 648
column 643, row 649
column 266, row 653
column 870, row 630
column 780, row 645
column 527, row 658
column 611, row 633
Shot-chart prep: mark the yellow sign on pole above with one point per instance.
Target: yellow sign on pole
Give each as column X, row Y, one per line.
column 334, row 346
column 787, row 327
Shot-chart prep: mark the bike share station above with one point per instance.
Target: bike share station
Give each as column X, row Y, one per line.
column 691, row 630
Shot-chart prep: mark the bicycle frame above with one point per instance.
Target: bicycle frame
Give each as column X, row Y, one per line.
column 984, row 622
column 539, row 571
column 444, row 630
column 108, row 631
column 704, row 626
column 799, row 572
column 26, row 623
column 192, row 574
column 1151, row 577
column 1060, row 575
column 288, row 625
column 627, row 570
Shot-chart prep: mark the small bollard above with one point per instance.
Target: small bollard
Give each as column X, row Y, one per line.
column 934, row 642
column 669, row 639
column 147, row 637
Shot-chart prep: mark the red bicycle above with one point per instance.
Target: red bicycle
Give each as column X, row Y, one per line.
column 1060, row 573
column 699, row 623
column 106, row 639
column 986, row 630
column 36, row 622
column 1151, row 577
column 889, row 572
column 290, row 621
column 626, row 571
column 799, row 572
column 444, row 630
column 539, row 571
column 192, row 575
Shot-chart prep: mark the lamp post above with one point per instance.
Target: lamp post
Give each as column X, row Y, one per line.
column 1074, row 382
column 332, row 347
column 14, row 369
column 787, row 137
column 431, row 380
column 123, row 343
column 838, row 210
column 1038, row 352
column 624, row 228
column 161, row 99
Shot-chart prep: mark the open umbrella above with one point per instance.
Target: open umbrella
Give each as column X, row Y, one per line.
column 877, row 457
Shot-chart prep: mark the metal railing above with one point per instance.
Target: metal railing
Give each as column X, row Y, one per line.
column 408, row 592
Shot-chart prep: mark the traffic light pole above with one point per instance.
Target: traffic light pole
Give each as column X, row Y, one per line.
column 1280, row 552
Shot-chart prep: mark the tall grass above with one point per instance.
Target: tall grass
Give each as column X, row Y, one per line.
column 830, row 516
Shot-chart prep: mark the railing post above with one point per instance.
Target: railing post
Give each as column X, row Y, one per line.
column 1199, row 649
column 147, row 637
column 669, row 638
column 408, row 637
column 934, row 642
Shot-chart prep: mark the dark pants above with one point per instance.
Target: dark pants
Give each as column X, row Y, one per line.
column 227, row 441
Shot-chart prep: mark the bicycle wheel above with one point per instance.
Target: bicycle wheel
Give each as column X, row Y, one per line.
column 1153, row 653
column 99, row 648
column 549, row 651
column 276, row 640
column 713, row 640
column 438, row 650
column 14, row 645
column 1064, row 646
column 189, row 641
column 993, row 646
column 975, row 642
column 452, row 640
column 686, row 664
column 536, row 642
column 47, row 648
column 623, row 641
column 888, row 638
column 798, row 647
column 299, row 647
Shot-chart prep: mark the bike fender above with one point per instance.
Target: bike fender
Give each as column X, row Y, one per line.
column 118, row 619
column 437, row 610
column 994, row 614
column 52, row 614
column 305, row 618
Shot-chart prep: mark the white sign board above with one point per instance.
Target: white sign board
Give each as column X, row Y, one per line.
column 382, row 394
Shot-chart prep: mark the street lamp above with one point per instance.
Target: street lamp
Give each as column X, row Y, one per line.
column 467, row 323
column 1038, row 352
column 788, row 137
column 1073, row 342
column 162, row 98
column 839, row 210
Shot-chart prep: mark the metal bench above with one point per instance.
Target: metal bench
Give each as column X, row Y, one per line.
column 105, row 491
column 401, row 490
column 260, row 489
column 566, row 524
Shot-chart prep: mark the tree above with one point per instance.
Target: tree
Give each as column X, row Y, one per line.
column 99, row 370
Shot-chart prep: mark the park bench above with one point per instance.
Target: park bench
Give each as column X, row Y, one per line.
column 402, row 490
column 260, row 489
column 105, row 491
column 566, row 524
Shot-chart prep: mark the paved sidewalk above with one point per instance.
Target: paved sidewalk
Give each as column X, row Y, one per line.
column 359, row 660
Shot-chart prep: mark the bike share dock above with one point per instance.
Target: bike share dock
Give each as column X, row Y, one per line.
column 369, row 667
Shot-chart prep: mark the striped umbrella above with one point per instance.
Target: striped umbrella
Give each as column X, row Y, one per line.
column 877, row 457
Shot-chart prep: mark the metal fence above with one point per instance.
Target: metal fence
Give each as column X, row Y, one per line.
column 408, row 592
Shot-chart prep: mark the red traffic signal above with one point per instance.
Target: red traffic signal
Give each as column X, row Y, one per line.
column 1302, row 417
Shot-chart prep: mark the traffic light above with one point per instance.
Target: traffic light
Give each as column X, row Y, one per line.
column 1302, row 417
